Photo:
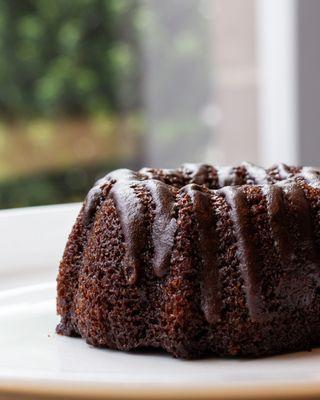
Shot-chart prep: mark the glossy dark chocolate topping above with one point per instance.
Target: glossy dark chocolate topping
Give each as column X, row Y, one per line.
column 208, row 247
column 240, row 216
column 164, row 225
column 279, row 186
column 277, row 217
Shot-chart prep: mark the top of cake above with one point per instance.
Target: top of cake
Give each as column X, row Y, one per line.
column 204, row 175
column 165, row 184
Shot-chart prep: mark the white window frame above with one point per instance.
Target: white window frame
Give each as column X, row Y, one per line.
column 276, row 26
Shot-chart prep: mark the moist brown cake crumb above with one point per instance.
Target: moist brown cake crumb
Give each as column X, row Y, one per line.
column 199, row 260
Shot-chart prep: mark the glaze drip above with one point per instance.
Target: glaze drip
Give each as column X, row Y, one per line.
column 284, row 198
column 301, row 209
column 240, row 216
column 257, row 174
column 208, row 245
column 91, row 204
column 201, row 181
column 133, row 220
column 164, row 225
column 277, row 217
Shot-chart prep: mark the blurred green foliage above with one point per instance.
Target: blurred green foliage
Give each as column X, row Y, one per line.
column 81, row 60
column 62, row 57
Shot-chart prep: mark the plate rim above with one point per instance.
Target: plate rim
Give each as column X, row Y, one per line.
column 48, row 389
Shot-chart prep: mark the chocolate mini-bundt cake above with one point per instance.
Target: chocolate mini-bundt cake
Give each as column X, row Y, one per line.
column 198, row 260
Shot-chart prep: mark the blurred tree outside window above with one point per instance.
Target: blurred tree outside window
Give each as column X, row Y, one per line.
column 79, row 83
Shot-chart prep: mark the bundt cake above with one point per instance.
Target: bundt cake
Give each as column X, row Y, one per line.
column 198, row 260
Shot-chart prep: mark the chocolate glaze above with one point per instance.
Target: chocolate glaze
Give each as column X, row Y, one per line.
column 301, row 208
column 240, row 216
column 123, row 187
column 311, row 176
column 208, row 246
column 277, row 216
column 258, row 174
column 132, row 218
column 283, row 171
column 164, row 225
column 133, row 221
column 92, row 201
column 289, row 197
column 225, row 176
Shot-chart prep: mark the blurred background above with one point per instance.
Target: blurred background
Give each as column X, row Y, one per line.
column 92, row 85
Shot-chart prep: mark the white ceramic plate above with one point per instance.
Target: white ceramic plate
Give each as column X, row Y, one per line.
column 34, row 361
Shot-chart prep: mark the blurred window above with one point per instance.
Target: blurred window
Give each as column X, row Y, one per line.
column 88, row 86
